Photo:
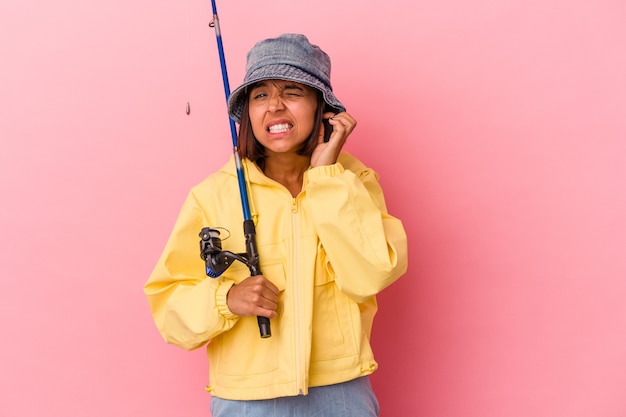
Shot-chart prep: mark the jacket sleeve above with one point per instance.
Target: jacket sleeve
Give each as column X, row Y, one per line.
column 188, row 307
column 366, row 247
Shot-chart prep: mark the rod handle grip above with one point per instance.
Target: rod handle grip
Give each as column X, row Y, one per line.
column 264, row 327
column 249, row 231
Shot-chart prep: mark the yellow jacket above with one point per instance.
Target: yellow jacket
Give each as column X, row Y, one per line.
column 330, row 250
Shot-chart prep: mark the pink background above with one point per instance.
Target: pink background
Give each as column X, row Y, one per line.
column 499, row 132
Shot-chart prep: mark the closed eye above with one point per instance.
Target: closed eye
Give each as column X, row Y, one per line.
column 293, row 90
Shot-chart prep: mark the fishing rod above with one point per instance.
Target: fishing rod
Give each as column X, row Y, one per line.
column 217, row 260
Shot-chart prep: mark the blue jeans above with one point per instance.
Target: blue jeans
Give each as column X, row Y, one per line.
column 349, row 399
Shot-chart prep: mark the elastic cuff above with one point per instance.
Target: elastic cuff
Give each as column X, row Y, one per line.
column 325, row 171
column 220, row 299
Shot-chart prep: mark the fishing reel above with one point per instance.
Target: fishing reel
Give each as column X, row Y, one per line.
column 217, row 260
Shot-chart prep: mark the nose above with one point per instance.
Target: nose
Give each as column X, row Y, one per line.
column 275, row 103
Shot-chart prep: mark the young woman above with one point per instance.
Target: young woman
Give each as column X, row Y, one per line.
column 326, row 244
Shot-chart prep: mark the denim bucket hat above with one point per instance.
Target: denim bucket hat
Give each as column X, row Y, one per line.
column 289, row 57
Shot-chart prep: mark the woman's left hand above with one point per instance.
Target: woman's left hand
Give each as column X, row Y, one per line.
column 326, row 153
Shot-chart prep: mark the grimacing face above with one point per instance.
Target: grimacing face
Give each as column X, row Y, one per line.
column 282, row 114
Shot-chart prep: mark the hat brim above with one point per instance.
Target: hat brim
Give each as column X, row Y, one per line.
column 279, row 72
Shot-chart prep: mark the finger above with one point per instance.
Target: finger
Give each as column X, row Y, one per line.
column 273, row 288
column 261, row 283
column 345, row 121
column 265, row 308
column 270, row 314
column 264, row 304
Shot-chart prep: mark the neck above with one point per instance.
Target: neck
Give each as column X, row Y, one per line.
column 288, row 170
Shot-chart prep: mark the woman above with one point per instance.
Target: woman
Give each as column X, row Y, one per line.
column 326, row 246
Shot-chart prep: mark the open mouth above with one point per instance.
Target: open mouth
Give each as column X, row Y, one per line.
column 279, row 128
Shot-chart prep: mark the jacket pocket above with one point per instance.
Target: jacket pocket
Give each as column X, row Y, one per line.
column 241, row 351
column 336, row 317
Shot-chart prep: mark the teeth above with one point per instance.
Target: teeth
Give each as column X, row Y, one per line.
column 283, row 127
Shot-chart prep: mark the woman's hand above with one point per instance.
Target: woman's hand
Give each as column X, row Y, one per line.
column 254, row 296
column 326, row 153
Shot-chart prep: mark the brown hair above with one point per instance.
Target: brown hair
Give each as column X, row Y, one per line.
column 250, row 148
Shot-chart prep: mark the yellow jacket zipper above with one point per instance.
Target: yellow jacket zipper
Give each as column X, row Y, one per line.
column 297, row 299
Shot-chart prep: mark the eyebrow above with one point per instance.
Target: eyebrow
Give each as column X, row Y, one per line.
column 287, row 86
column 293, row 87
